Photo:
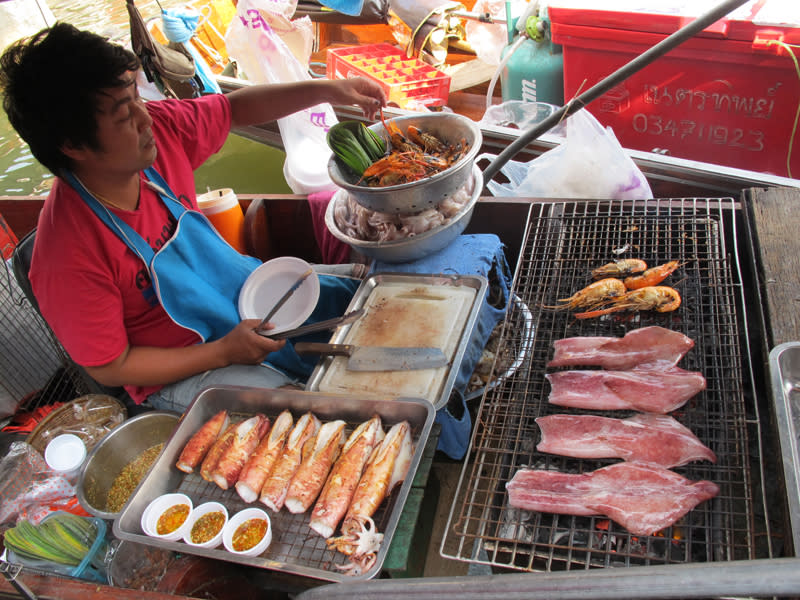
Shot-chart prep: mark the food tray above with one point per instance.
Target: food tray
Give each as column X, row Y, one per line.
column 784, row 367
column 295, row 547
column 404, row 80
column 420, row 310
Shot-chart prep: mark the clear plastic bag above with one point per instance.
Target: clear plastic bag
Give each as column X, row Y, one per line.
column 267, row 57
column 589, row 163
column 30, row 490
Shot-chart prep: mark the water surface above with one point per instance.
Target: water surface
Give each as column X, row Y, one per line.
column 244, row 165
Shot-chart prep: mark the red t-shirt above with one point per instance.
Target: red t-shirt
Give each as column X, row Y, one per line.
column 92, row 289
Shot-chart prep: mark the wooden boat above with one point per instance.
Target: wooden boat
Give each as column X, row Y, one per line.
column 764, row 208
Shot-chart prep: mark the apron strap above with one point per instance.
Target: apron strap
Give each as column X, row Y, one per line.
column 124, row 231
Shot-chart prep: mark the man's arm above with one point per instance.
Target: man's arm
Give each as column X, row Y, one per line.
column 145, row 366
column 264, row 103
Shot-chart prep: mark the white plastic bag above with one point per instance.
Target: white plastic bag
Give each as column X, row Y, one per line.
column 488, row 39
column 589, row 163
column 272, row 49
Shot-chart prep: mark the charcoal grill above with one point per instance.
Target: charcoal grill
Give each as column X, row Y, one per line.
column 563, row 243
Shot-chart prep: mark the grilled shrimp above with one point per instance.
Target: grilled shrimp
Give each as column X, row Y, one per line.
column 652, row 276
column 620, row 268
column 429, row 142
column 659, row 298
column 593, row 294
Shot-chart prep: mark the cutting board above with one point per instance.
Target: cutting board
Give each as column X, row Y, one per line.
column 404, row 314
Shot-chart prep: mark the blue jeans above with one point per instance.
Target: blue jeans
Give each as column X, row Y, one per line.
column 177, row 396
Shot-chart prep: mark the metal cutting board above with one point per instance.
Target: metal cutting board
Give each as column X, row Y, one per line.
column 406, row 310
column 295, row 547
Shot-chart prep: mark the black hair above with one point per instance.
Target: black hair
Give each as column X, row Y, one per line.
column 51, row 83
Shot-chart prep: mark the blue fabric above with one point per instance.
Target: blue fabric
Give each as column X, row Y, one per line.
column 480, row 254
column 179, row 27
column 201, row 294
column 347, row 7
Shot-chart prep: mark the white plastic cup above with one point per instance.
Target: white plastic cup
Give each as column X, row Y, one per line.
column 225, row 213
column 65, row 455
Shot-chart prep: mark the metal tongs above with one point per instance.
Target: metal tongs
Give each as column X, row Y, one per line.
column 314, row 327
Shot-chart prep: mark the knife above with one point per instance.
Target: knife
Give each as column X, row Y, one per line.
column 376, row 358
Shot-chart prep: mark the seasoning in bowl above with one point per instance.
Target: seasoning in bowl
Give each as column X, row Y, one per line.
column 248, row 532
column 167, row 516
column 130, row 476
column 172, row 518
column 205, row 526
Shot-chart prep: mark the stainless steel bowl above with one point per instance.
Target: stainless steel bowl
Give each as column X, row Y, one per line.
column 425, row 193
column 414, row 247
column 116, row 450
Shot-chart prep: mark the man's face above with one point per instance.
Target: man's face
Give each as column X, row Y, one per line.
column 126, row 143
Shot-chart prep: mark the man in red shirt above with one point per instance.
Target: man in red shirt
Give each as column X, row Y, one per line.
column 72, row 96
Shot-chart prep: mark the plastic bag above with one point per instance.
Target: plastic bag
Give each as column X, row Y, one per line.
column 267, row 57
column 488, row 39
column 590, row 163
column 29, row 489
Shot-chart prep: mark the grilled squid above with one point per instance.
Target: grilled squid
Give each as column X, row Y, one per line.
column 263, row 459
column 199, row 444
column 273, row 494
column 218, row 448
column 319, row 454
column 338, row 491
column 247, row 435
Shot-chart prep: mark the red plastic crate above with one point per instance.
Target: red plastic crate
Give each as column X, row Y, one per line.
column 405, row 80
column 726, row 96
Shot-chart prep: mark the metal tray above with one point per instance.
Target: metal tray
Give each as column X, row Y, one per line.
column 460, row 313
column 295, row 547
column 784, row 368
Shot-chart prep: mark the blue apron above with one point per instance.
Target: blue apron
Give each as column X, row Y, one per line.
column 197, row 275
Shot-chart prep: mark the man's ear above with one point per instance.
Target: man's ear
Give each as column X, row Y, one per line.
column 76, row 153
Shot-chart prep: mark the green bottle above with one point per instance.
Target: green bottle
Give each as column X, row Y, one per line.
column 535, row 70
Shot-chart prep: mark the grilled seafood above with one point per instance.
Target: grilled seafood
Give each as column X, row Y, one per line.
column 319, row 454
column 620, row 268
column 335, row 497
column 652, row 276
column 387, row 467
column 659, row 298
column 246, row 437
column 276, row 486
column 199, row 444
column 593, row 294
column 361, row 545
column 218, row 448
column 411, row 157
column 263, row 459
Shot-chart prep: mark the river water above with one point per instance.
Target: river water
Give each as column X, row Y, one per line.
column 244, row 165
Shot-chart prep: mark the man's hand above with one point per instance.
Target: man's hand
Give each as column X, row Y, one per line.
column 243, row 346
column 361, row 91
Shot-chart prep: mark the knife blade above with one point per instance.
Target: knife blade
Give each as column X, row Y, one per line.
column 378, row 358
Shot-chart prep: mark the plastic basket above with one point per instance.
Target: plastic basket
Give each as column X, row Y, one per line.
column 88, row 568
column 405, row 81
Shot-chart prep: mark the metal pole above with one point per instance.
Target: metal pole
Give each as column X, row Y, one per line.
column 617, row 77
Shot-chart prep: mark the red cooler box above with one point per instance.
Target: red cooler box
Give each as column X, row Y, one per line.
column 727, row 96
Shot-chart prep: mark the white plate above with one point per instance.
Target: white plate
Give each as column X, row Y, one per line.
column 265, row 286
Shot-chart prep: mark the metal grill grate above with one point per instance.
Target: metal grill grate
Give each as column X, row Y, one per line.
column 564, row 242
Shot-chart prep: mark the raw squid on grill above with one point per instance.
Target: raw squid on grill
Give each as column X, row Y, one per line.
column 646, row 437
column 642, row 498
column 643, row 389
column 654, row 346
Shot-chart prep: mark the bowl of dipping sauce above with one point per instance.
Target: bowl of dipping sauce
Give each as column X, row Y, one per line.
column 248, row 532
column 167, row 516
column 204, row 529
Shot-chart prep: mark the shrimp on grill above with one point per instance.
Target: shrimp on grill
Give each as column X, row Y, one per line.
column 593, row 295
column 620, row 268
column 652, row 276
column 659, row 298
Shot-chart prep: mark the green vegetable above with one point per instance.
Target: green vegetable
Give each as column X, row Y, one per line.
column 355, row 145
column 62, row 538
